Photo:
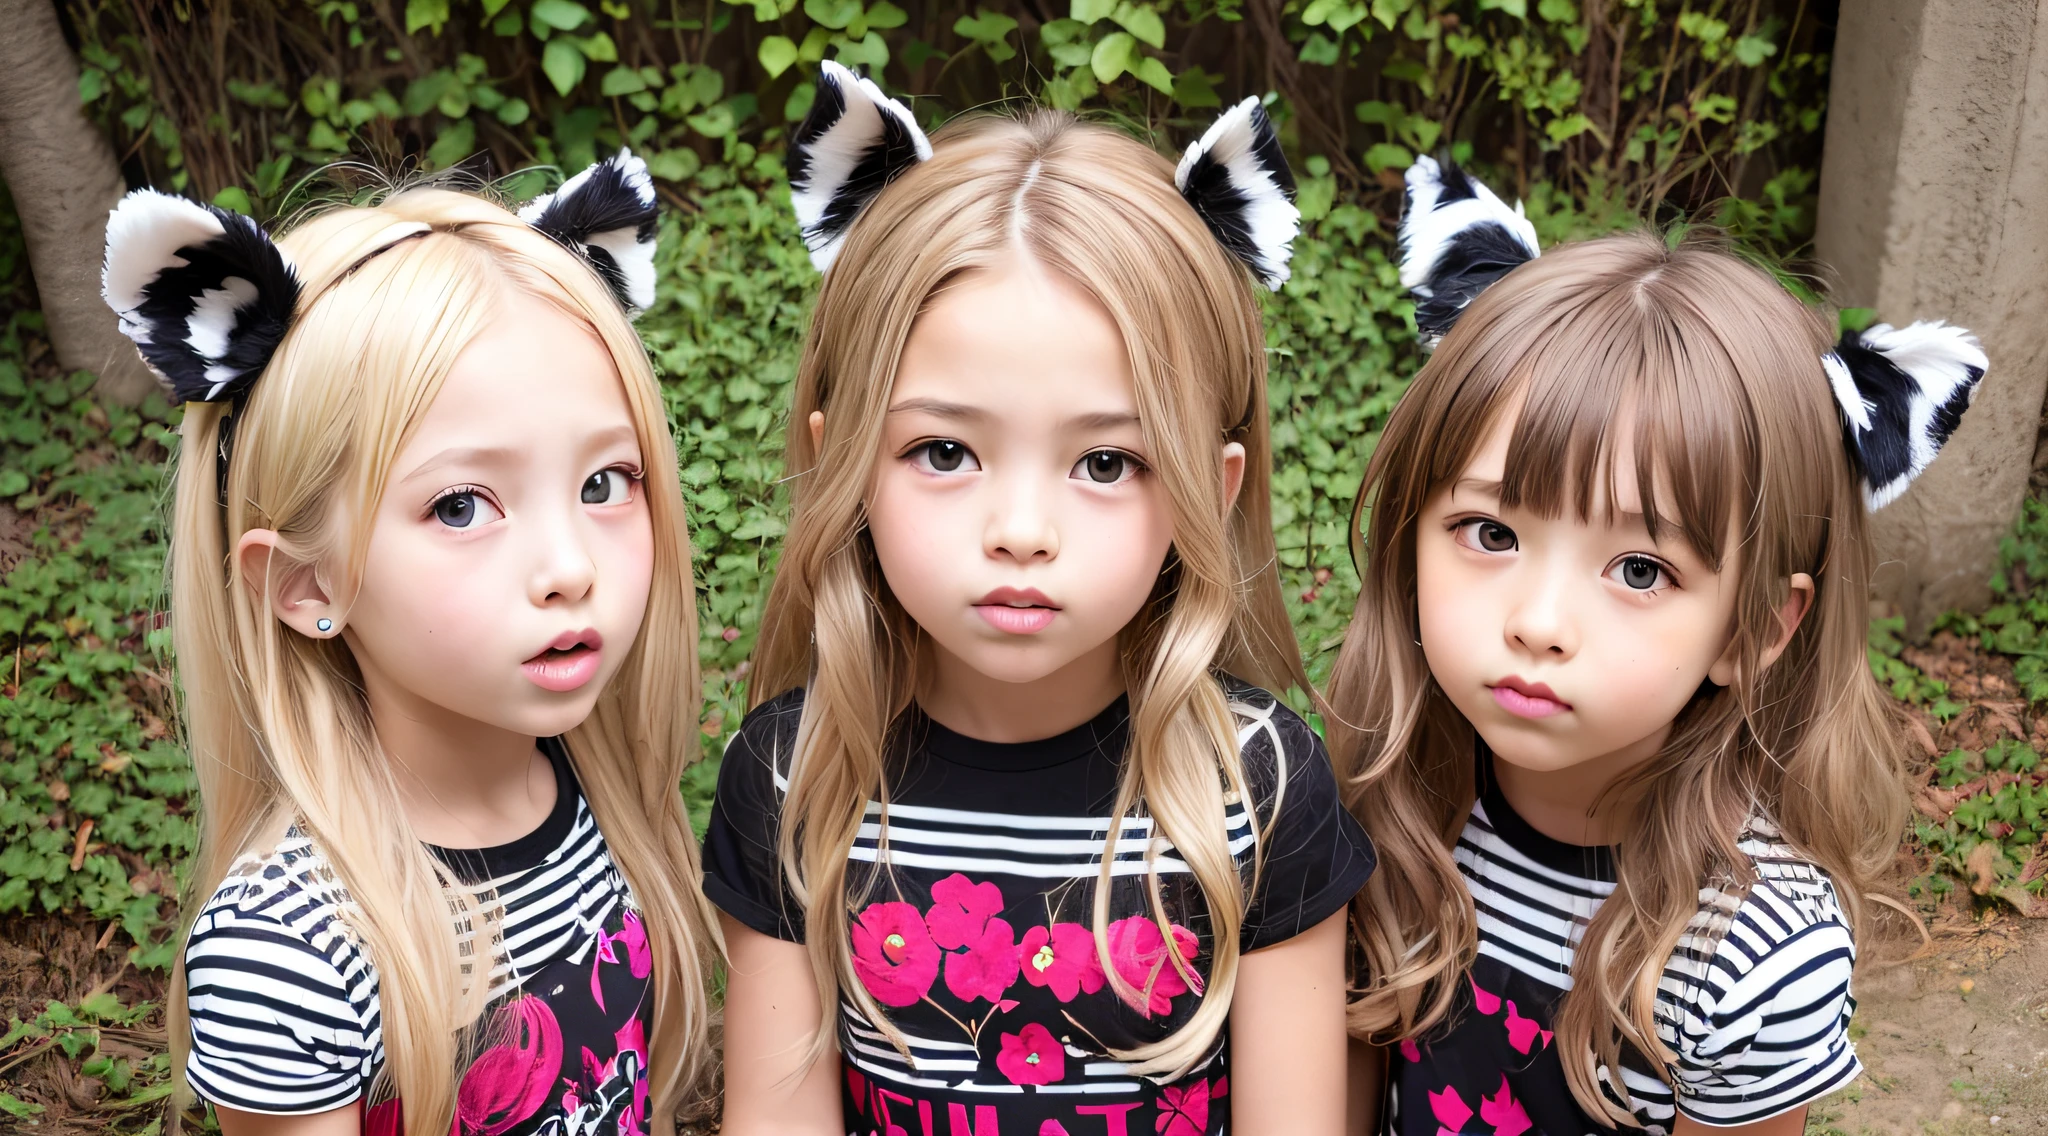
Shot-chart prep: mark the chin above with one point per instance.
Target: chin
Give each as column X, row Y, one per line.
column 1524, row 746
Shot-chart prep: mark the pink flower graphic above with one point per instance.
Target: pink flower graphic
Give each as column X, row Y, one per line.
column 1504, row 1112
column 960, row 910
column 1409, row 1050
column 1139, row 952
column 1450, row 1109
column 1052, row 1128
column 1182, row 1111
column 1523, row 1032
column 1488, row 1004
column 1032, row 1056
column 987, row 967
column 510, row 1081
column 1062, row 957
column 893, row 954
column 639, row 959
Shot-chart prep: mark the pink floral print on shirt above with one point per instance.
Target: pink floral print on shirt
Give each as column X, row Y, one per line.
column 1062, row 957
column 1139, row 953
column 893, row 953
column 1032, row 1056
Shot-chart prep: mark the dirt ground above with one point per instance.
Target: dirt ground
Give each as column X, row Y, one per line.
column 1955, row 1044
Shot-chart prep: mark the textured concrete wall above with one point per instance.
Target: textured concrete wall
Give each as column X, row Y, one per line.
column 1934, row 204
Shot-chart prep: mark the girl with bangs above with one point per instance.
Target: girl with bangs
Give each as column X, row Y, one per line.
column 1604, row 706
column 431, row 598
column 1013, row 840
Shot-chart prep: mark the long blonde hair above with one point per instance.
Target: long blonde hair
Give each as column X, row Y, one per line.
column 1099, row 208
column 277, row 723
column 1720, row 369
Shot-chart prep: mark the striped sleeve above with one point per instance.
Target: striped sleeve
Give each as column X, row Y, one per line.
column 282, row 1008
column 1760, row 1021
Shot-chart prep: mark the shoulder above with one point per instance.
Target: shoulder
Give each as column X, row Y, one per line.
column 1278, row 749
column 282, row 999
column 1756, row 1000
column 755, row 765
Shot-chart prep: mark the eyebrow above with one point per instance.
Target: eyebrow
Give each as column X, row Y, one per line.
column 506, row 455
column 1486, row 488
column 1097, row 420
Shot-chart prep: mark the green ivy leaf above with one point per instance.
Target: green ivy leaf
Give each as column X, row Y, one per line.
column 621, row 80
column 231, row 197
column 493, row 7
column 1387, row 156
column 512, row 112
column 563, row 63
column 1519, row 9
column 15, row 1106
column 425, row 14
column 885, row 16
column 799, row 102
column 714, row 122
column 599, row 48
column 1319, row 49
column 1112, row 56
column 1751, row 51
column 777, row 54
column 868, row 51
column 1088, row 11
column 1194, row 89
column 561, row 15
column 834, row 14
column 1154, row 74
column 1141, row 21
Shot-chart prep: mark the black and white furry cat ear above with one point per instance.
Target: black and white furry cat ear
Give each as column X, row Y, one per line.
column 606, row 215
column 1456, row 238
column 1238, row 181
column 201, row 290
column 1902, row 391
column 854, row 141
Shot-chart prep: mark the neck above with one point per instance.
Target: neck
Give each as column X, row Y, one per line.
column 1570, row 804
column 968, row 702
column 462, row 783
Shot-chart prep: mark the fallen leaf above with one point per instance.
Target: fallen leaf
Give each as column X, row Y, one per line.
column 85, row 834
column 1982, row 865
column 1918, row 730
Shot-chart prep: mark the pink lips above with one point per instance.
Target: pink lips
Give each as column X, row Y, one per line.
column 1017, row 611
column 1528, row 699
column 568, row 662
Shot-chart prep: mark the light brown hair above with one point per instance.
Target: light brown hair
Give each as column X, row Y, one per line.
column 1100, row 209
column 278, row 727
column 1718, row 368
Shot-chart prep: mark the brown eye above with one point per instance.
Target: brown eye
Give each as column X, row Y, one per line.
column 1494, row 537
column 1107, row 467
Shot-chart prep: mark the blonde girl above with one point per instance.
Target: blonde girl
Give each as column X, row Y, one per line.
column 433, row 616
column 1013, row 840
column 1604, row 706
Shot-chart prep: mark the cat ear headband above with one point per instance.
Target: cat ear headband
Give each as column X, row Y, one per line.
column 207, row 297
column 1900, row 391
column 856, row 140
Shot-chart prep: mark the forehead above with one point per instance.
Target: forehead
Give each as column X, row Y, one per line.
column 1018, row 339
column 532, row 374
column 1615, row 491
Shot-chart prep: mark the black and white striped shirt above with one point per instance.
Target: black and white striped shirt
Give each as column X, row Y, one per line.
column 1755, row 1001
column 971, row 917
column 284, row 1000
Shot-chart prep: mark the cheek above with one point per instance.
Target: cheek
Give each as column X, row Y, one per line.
column 1450, row 607
column 423, row 604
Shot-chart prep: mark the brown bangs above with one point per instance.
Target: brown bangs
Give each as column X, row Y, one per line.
column 1613, row 363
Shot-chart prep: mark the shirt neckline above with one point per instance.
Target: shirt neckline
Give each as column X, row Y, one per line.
column 1586, row 861
column 478, row 865
column 1104, row 733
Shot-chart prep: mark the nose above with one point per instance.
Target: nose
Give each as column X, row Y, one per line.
column 1541, row 622
column 564, row 571
column 1020, row 526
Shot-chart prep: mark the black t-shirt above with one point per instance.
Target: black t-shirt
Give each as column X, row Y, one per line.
column 977, row 939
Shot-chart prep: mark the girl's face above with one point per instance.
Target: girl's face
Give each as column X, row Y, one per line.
column 1014, row 508
column 1565, row 642
column 511, row 554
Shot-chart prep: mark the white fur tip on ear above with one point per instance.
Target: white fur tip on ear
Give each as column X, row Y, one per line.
column 1902, row 392
column 1444, row 205
column 855, row 140
column 144, row 233
column 1237, row 179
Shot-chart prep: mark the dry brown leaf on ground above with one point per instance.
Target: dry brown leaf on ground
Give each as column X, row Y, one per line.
column 1982, row 864
column 2006, row 715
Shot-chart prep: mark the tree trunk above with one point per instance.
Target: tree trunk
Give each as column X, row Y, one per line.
column 1934, row 204
column 64, row 179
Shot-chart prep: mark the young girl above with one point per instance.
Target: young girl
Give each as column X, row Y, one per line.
column 1604, row 706
column 432, row 607
column 1003, row 846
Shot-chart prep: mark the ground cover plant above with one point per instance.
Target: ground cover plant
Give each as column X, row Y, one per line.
column 1596, row 114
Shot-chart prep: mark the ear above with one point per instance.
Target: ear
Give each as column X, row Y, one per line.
column 1791, row 613
column 1901, row 393
column 1238, row 181
column 855, row 141
column 1456, row 238
column 292, row 588
column 1233, row 473
column 817, row 424
column 606, row 215
column 203, row 293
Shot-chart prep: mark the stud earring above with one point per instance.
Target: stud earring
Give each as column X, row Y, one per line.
column 325, row 625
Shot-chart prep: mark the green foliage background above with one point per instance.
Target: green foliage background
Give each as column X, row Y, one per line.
column 1596, row 114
